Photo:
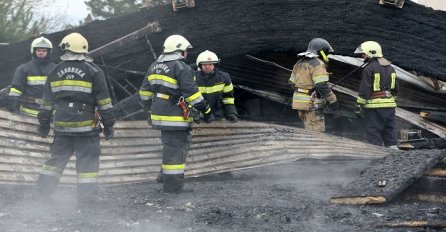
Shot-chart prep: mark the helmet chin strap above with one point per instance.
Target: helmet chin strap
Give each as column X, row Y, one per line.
column 324, row 57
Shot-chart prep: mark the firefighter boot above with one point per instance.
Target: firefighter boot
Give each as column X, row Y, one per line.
column 159, row 177
column 174, row 184
column 87, row 195
column 45, row 186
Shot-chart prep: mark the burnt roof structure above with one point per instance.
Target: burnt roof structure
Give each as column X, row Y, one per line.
column 412, row 38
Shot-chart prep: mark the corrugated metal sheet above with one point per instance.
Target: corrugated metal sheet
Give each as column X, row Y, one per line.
column 134, row 154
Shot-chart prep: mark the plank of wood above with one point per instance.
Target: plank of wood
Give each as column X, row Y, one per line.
column 434, row 116
column 427, row 188
column 426, row 197
column 416, row 224
column 139, row 34
column 436, row 172
column 399, row 170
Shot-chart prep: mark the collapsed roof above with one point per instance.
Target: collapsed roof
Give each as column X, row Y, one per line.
column 412, row 38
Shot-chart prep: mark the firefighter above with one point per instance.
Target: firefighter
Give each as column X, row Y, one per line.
column 170, row 84
column 75, row 95
column 216, row 86
column 25, row 94
column 309, row 79
column 376, row 96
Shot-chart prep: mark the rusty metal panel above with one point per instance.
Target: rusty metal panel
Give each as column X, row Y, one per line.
column 134, row 154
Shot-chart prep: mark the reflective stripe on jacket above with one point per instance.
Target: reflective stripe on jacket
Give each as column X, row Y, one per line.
column 74, row 90
column 165, row 83
column 28, row 82
column 307, row 73
column 378, row 76
column 218, row 91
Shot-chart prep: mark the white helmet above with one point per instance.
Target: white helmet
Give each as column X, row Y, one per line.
column 371, row 49
column 207, row 57
column 74, row 42
column 175, row 43
column 41, row 42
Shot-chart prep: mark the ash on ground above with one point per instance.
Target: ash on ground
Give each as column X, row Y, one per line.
column 287, row 197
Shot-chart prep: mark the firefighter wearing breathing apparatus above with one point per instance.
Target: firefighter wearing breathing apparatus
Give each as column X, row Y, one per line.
column 309, row 79
column 168, row 86
column 216, row 86
column 377, row 93
column 74, row 93
column 25, row 94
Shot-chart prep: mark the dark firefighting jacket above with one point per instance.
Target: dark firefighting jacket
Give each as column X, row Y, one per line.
column 27, row 84
column 379, row 85
column 168, row 80
column 218, row 91
column 309, row 77
column 75, row 90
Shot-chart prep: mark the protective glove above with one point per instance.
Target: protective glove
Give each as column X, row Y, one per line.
column 208, row 118
column 43, row 130
column 44, row 117
column 108, row 132
column 195, row 115
column 333, row 105
column 146, row 108
column 359, row 111
column 232, row 118
column 14, row 104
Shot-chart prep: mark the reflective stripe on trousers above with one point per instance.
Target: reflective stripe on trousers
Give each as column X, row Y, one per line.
column 176, row 145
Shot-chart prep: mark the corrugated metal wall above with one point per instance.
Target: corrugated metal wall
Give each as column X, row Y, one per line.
column 134, row 154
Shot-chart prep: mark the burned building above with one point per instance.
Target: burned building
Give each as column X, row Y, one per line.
column 257, row 42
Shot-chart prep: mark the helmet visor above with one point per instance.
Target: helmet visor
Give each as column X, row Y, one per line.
column 358, row 50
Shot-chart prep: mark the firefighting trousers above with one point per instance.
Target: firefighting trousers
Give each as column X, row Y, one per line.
column 176, row 145
column 87, row 150
column 380, row 126
column 313, row 120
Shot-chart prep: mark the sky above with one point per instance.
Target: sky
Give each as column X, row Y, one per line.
column 75, row 10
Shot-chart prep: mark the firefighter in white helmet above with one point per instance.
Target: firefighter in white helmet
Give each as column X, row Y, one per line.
column 216, row 86
column 25, row 94
column 377, row 93
column 309, row 79
column 170, row 91
column 74, row 95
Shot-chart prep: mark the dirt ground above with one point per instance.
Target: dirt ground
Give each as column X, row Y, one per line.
column 288, row 197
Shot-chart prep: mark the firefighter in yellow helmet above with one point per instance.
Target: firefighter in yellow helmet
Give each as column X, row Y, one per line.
column 74, row 95
column 25, row 94
column 167, row 88
column 309, row 79
column 376, row 96
column 216, row 86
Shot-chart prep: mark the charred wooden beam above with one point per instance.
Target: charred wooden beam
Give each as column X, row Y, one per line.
column 415, row 224
column 390, row 176
column 437, row 171
column 427, row 188
column 434, row 116
column 139, row 34
column 413, row 118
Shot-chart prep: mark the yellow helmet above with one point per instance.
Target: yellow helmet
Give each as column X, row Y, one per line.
column 371, row 49
column 74, row 42
column 41, row 42
column 175, row 43
column 207, row 57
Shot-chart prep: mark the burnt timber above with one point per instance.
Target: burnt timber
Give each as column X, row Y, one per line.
column 412, row 38
column 385, row 180
column 427, row 188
